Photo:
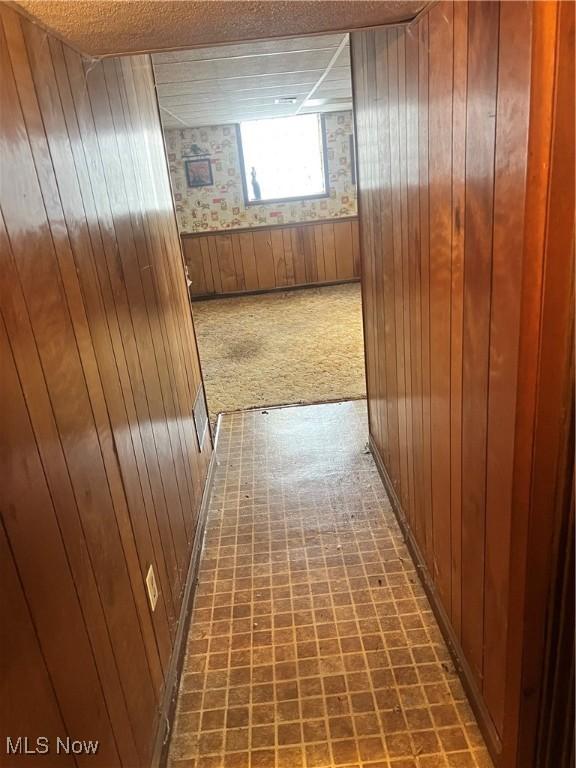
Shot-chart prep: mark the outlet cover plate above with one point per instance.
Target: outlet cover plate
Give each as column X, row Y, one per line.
column 151, row 587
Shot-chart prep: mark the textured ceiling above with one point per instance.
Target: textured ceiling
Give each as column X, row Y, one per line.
column 231, row 83
column 107, row 27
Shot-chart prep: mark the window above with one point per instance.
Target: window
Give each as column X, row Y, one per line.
column 283, row 158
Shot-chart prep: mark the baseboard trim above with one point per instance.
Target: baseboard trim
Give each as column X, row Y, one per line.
column 168, row 704
column 462, row 667
column 276, row 289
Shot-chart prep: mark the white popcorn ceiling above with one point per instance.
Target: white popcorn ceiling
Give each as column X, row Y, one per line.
column 113, row 27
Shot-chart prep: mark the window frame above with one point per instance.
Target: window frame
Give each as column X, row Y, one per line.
column 273, row 201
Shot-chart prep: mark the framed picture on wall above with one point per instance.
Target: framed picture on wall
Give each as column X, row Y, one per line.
column 199, row 173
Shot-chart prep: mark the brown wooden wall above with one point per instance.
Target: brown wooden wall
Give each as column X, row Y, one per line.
column 555, row 746
column 456, row 202
column 101, row 470
column 272, row 257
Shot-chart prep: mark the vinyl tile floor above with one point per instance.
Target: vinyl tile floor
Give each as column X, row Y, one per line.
column 312, row 643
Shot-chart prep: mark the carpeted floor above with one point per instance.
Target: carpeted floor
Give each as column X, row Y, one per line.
column 301, row 346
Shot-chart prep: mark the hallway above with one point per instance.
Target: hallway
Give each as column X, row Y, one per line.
column 312, row 642
column 154, row 153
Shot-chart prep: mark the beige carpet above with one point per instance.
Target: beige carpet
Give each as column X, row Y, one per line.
column 301, row 346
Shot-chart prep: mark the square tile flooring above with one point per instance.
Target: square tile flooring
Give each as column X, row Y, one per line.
column 312, row 643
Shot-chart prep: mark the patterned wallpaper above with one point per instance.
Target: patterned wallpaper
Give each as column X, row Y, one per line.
column 221, row 206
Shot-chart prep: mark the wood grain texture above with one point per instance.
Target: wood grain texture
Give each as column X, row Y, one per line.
column 102, row 473
column 266, row 258
column 461, row 121
column 483, row 28
column 542, row 483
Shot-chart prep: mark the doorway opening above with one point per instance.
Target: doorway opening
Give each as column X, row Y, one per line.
column 260, row 147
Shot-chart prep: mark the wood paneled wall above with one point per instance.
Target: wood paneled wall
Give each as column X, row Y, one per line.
column 272, row 257
column 102, row 475
column 461, row 225
column 555, row 745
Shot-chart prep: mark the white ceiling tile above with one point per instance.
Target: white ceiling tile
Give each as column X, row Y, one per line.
column 268, row 47
column 228, row 84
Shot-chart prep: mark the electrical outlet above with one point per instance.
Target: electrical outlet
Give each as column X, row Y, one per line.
column 151, row 587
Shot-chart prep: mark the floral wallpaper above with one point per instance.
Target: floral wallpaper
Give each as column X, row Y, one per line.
column 221, row 205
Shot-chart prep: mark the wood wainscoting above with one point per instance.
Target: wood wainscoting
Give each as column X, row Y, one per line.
column 102, row 471
column 267, row 258
column 465, row 133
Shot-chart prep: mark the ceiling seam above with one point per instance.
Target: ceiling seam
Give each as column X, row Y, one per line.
column 329, row 66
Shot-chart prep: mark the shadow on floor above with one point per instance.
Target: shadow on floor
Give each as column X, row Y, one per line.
column 302, row 346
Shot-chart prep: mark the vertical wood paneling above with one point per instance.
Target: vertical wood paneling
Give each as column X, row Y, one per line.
column 226, row 266
column 207, row 264
column 508, row 240
column 102, row 474
column 451, row 113
column 272, row 257
column 550, row 355
column 440, row 224
column 168, row 337
column 480, row 146
column 319, row 244
column 106, row 352
column 295, row 236
column 309, row 244
column 264, row 254
column 386, row 375
column 282, row 256
column 343, row 247
column 362, row 115
column 423, row 31
column 355, row 249
column 195, row 264
column 160, row 394
column 43, row 568
column 238, row 265
column 405, row 240
column 556, row 726
column 413, row 268
column 381, row 404
column 329, row 252
column 398, row 262
column 21, row 713
column 459, row 95
column 248, row 261
column 212, row 246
